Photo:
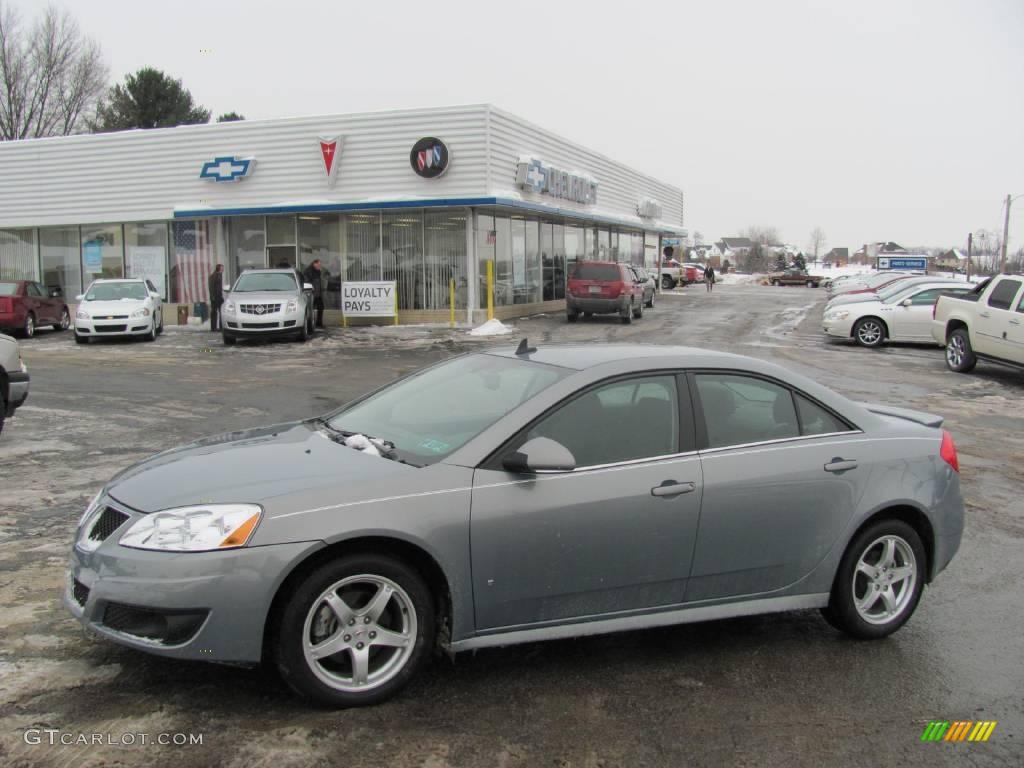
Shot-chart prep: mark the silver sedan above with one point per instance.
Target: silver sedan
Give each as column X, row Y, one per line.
column 518, row 496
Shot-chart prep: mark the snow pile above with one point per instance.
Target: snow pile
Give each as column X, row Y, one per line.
column 732, row 278
column 492, row 328
column 370, row 445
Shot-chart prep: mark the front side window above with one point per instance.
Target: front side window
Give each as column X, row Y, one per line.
column 621, row 421
column 742, row 409
column 925, row 298
column 431, row 414
column 34, row 289
column 1002, row 295
column 252, row 282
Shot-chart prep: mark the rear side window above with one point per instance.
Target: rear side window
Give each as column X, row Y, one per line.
column 815, row 420
column 605, row 272
column 8, row 289
column 1003, row 294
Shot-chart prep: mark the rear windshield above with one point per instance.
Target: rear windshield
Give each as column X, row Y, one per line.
column 115, row 291
column 8, row 289
column 596, row 272
column 252, row 282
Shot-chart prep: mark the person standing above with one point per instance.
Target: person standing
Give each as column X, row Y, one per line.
column 314, row 275
column 216, row 295
column 709, row 277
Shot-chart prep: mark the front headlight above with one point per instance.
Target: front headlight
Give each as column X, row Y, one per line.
column 229, row 306
column 293, row 306
column 81, row 314
column 93, row 505
column 144, row 312
column 838, row 315
column 200, row 528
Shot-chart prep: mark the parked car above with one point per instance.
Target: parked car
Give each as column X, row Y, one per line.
column 672, row 274
column 14, row 379
column 128, row 307
column 485, row 501
column 265, row 303
column 795, row 277
column 896, row 286
column 26, row 305
column 903, row 315
column 649, row 283
column 986, row 324
column 602, row 288
column 870, row 282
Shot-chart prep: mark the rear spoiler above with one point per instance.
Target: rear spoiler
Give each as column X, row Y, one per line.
column 918, row 417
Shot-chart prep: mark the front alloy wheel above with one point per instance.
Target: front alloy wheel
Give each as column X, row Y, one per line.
column 879, row 581
column 869, row 332
column 355, row 631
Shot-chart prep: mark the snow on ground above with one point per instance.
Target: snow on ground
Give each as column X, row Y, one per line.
column 492, row 328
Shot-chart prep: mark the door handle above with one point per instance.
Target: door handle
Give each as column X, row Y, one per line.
column 983, row 314
column 672, row 488
column 1015, row 322
column 840, row 465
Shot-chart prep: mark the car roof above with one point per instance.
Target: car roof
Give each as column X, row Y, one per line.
column 118, row 280
column 583, row 356
column 285, row 270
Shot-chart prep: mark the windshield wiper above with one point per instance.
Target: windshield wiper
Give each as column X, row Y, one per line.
column 385, row 448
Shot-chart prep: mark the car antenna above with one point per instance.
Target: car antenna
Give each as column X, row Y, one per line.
column 525, row 348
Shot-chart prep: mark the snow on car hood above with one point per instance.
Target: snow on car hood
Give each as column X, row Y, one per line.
column 248, row 466
column 115, row 307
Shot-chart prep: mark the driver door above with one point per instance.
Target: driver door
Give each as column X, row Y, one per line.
column 615, row 534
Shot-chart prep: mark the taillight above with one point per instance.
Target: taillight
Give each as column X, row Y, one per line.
column 618, row 288
column 5, row 305
column 947, row 451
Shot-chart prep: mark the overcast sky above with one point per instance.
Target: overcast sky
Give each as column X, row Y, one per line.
column 877, row 120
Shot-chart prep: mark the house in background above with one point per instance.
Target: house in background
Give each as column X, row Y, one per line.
column 866, row 253
column 733, row 247
column 837, row 257
column 952, row 260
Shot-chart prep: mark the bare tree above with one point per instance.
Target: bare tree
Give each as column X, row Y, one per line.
column 51, row 75
column 817, row 241
column 762, row 235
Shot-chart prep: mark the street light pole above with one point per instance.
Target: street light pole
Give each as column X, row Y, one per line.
column 1006, row 231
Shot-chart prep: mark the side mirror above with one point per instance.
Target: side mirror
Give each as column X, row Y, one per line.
column 540, row 455
column 80, row 297
column 307, row 286
column 154, row 295
column 55, row 293
column 906, row 302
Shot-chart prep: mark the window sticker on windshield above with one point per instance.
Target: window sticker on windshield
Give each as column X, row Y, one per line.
column 434, row 446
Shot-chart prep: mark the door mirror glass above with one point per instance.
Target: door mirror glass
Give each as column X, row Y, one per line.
column 541, row 454
column 307, row 286
column 907, row 302
column 79, row 297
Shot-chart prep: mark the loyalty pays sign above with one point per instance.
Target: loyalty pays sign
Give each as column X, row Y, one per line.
column 368, row 299
column 330, row 154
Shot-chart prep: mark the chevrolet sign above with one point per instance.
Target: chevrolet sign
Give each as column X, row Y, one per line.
column 537, row 176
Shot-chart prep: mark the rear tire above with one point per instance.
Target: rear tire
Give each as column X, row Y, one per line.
column 65, row 320
column 869, row 598
column 638, row 310
column 776, row 283
column 667, row 283
column 960, row 357
column 627, row 316
column 333, row 604
column 650, row 304
column 29, row 329
column 572, row 316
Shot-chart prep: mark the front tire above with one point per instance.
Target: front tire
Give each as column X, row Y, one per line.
column 869, row 332
column 306, row 332
column 879, row 581
column 81, row 339
column 355, row 631
column 151, row 336
column 228, row 340
column 960, row 357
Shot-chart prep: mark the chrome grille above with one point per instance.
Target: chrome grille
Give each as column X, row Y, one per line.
column 258, row 309
column 108, row 522
column 79, row 591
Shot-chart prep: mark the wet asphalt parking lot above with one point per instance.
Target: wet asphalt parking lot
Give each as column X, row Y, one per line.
column 774, row 690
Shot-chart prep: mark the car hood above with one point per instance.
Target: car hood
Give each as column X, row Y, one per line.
column 855, row 298
column 248, row 466
column 116, row 307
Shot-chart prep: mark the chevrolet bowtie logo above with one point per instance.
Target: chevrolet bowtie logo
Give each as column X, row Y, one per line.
column 227, row 168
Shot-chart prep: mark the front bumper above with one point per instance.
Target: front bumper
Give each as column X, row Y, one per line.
column 215, row 603
column 116, row 326
column 840, row 329
column 17, row 392
column 599, row 306
column 261, row 325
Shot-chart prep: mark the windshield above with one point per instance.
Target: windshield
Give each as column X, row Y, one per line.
column 252, row 282
column 8, row 289
column 898, row 287
column 430, row 414
column 116, row 291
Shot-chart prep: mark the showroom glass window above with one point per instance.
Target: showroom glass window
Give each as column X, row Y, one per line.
column 503, row 286
column 102, row 252
column 651, row 251
column 444, row 258
column 320, row 238
column 534, row 276
column 194, row 254
column 281, row 241
column 520, row 287
column 554, row 283
column 402, row 256
column 589, row 243
column 637, row 253
column 360, row 247
column 60, row 251
column 604, row 252
column 246, row 243
column 485, row 242
column 17, row 254
column 575, row 250
column 145, row 250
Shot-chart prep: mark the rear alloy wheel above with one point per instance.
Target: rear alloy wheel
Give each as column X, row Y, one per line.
column 879, row 581
column 650, row 304
column 811, row 284
column 667, row 283
column 29, row 329
column 65, row 320
column 776, row 282
column 869, row 332
column 572, row 316
column 638, row 309
column 960, row 358
column 627, row 316
column 355, row 631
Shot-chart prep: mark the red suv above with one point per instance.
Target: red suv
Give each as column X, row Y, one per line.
column 25, row 305
column 604, row 287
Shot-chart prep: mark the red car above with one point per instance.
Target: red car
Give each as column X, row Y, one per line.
column 602, row 288
column 26, row 305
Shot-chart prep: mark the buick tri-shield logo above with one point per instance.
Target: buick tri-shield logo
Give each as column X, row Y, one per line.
column 429, row 157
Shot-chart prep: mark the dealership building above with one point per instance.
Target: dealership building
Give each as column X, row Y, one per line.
column 442, row 202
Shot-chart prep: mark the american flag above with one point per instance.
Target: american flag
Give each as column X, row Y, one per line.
column 193, row 261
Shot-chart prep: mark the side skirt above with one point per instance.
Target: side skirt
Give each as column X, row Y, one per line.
column 584, row 627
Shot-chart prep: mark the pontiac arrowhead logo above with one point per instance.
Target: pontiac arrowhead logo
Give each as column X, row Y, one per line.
column 330, row 150
column 227, row 168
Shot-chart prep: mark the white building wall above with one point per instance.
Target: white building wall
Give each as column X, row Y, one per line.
column 619, row 190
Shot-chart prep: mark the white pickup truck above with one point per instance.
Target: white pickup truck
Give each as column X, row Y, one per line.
column 986, row 324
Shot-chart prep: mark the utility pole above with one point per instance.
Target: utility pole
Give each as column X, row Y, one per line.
column 1006, row 233
column 970, row 250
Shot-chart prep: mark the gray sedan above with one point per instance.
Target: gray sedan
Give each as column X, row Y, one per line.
column 517, row 496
